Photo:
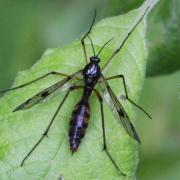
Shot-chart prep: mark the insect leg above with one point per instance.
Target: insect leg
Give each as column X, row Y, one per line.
column 83, row 38
column 127, row 97
column 126, row 38
column 39, row 78
column 104, row 132
column 45, row 134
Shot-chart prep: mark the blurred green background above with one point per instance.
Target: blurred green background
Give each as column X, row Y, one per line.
column 28, row 28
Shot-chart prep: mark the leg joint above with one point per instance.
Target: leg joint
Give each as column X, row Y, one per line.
column 53, row 72
column 71, row 88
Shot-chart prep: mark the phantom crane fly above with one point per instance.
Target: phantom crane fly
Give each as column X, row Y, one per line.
column 92, row 75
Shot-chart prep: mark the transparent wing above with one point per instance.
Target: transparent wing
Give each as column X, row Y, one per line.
column 44, row 94
column 120, row 113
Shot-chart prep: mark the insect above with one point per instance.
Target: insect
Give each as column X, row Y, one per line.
column 91, row 75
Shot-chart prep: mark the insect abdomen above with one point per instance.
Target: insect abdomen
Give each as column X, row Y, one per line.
column 78, row 124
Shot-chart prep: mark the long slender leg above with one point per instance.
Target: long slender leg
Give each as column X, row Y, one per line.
column 104, row 132
column 125, row 39
column 83, row 38
column 127, row 97
column 39, row 78
column 45, row 134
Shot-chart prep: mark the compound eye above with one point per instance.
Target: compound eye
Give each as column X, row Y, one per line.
column 94, row 59
column 98, row 60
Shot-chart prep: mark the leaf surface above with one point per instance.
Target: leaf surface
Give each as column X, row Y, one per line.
column 163, row 37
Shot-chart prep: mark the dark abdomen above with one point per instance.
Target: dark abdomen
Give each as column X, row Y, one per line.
column 78, row 124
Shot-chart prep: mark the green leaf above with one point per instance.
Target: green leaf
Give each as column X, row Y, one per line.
column 20, row 130
column 116, row 7
column 164, row 38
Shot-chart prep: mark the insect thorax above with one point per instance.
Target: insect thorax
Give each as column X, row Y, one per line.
column 91, row 73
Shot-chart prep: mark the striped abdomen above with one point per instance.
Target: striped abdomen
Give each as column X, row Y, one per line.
column 78, row 124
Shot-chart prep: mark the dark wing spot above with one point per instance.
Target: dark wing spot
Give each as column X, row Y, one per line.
column 121, row 113
column 45, row 94
column 28, row 101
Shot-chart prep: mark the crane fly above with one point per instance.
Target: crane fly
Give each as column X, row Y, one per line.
column 91, row 75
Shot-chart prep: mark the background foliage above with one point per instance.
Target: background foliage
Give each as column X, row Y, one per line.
column 27, row 28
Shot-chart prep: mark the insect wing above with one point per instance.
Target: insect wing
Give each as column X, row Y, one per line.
column 45, row 93
column 40, row 96
column 120, row 113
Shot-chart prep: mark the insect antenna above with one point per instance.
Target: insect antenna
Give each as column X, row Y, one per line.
column 86, row 35
column 103, row 47
column 127, row 37
column 92, row 46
